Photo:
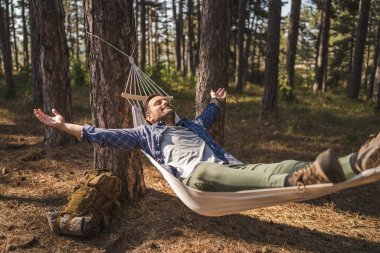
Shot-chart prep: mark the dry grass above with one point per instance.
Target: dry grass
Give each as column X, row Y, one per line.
column 38, row 178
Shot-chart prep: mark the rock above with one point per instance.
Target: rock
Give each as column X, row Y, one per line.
column 3, row 171
column 20, row 241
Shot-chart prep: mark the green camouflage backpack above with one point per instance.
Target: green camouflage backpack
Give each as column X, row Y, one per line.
column 90, row 206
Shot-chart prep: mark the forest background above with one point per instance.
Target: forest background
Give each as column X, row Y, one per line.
column 298, row 83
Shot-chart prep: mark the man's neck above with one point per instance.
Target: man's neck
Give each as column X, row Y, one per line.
column 170, row 120
column 170, row 123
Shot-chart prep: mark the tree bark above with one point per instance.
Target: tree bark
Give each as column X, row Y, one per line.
column 143, row 35
column 377, row 84
column 69, row 34
column 292, row 46
column 374, row 63
column 247, row 50
column 136, row 24
column 77, row 40
column 199, row 21
column 213, row 65
column 178, row 37
column 190, row 64
column 35, row 52
column 356, row 71
column 150, row 36
column 6, row 52
column 167, row 36
column 259, row 54
column 352, row 44
column 240, row 47
column 25, row 42
column 254, row 49
column 183, row 44
column 14, row 36
column 321, row 66
column 156, row 37
column 106, row 18
column 53, row 64
column 269, row 101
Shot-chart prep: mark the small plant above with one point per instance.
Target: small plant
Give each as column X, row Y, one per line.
column 78, row 73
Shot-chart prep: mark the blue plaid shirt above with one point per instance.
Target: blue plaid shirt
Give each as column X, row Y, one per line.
column 148, row 137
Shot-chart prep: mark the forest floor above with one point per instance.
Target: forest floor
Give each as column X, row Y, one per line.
column 36, row 178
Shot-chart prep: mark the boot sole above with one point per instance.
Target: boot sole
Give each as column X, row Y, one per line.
column 374, row 159
column 332, row 170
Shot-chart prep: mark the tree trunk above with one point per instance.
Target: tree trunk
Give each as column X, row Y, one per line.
column 374, row 63
column 167, row 37
column 14, row 37
column 269, row 102
column 77, row 40
column 259, row 54
column 247, row 50
column 35, row 52
column 190, row 63
column 53, row 64
column 69, row 34
column 352, row 44
column 106, row 18
column 156, row 38
column 356, row 71
column 143, row 35
column 321, row 66
column 178, row 38
column 6, row 52
column 377, row 84
column 199, row 17
column 150, row 36
column 254, row 49
column 25, row 34
column 367, row 67
column 136, row 46
column 213, row 65
column 240, row 47
column 292, row 46
column 183, row 44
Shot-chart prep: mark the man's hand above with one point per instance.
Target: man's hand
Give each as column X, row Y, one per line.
column 56, row 122
column 220, row 94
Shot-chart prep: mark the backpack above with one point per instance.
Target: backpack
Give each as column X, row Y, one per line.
column 90, row 207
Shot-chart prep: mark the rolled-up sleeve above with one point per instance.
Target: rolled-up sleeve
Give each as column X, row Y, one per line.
column 117, row 138
column 209, row 115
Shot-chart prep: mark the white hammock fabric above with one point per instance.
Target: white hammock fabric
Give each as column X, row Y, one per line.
column 140, row 86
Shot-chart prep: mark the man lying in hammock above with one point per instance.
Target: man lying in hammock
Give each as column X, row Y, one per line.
column 187, row 150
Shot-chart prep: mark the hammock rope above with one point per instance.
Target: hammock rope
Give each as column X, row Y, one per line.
column 139, row 86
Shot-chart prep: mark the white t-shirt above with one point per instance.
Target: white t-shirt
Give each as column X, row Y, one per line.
column 183, row 149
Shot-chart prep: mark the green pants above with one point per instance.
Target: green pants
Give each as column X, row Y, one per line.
column 225, row 177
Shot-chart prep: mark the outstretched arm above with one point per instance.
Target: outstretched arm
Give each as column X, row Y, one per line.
column 211, row 112
column 58, row 122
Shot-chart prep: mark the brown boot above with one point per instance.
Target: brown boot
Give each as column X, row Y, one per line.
column 325, row 169
column 368, row 156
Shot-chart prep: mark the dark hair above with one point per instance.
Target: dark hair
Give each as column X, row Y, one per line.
column 145, row 107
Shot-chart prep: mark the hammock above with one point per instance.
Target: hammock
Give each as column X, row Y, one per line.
column 139, row 86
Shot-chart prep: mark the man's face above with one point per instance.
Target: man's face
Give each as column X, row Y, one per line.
column 160, row 109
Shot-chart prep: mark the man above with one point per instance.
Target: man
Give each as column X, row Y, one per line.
column 187, row 150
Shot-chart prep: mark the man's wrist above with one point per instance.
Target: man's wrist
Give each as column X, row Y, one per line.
column 215, row 97
column 215, row 100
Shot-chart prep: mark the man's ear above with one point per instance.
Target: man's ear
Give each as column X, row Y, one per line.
column 148, row 117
